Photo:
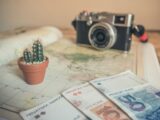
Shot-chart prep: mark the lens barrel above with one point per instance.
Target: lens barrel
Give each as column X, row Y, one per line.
column 102, row 35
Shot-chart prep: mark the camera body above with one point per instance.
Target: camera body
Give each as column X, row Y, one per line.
column 104, row 30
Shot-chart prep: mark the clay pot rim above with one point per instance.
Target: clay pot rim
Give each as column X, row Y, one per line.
column 21, row 62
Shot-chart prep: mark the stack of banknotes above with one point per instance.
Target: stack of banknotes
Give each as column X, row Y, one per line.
column 120, row 97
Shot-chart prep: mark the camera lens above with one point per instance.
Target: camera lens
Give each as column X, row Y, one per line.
column 102, row 35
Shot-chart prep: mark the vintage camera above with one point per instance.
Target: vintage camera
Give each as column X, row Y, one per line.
column 104, row 30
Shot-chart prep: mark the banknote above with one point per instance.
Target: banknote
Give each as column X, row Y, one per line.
column 108, row 111
column 117, row 82
column 140, row 102
column 93, row 104
column 57, row 108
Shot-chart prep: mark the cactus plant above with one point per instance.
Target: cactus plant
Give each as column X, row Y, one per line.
column 33, row 64
column 36, row 56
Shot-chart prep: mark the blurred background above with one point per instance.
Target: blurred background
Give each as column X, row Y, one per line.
column 60, row 13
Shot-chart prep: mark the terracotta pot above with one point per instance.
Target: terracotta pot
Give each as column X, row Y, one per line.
column 33, row 73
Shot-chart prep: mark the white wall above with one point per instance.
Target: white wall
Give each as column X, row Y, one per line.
column 17, row 13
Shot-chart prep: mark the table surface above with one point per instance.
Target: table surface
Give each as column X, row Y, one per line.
column 154, row 38
column 70, row 33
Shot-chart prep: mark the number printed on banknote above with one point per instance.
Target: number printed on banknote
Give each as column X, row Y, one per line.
column 141, row 103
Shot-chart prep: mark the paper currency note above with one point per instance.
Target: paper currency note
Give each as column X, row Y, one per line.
column 141, row 103
column 117, row 82
column 55, row 109
column 93, row 104
column 108, row 111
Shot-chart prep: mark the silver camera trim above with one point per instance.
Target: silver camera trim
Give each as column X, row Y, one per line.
column 128, row 20
column 106, row 16
column 112, row 32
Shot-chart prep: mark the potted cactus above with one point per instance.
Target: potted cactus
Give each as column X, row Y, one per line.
column 33, row 64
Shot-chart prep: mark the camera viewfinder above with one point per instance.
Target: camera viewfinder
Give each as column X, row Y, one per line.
column 120, row 19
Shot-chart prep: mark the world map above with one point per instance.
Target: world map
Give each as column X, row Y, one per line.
column 69, row 64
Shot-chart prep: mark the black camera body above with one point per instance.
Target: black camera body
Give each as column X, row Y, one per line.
column 104, row 30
